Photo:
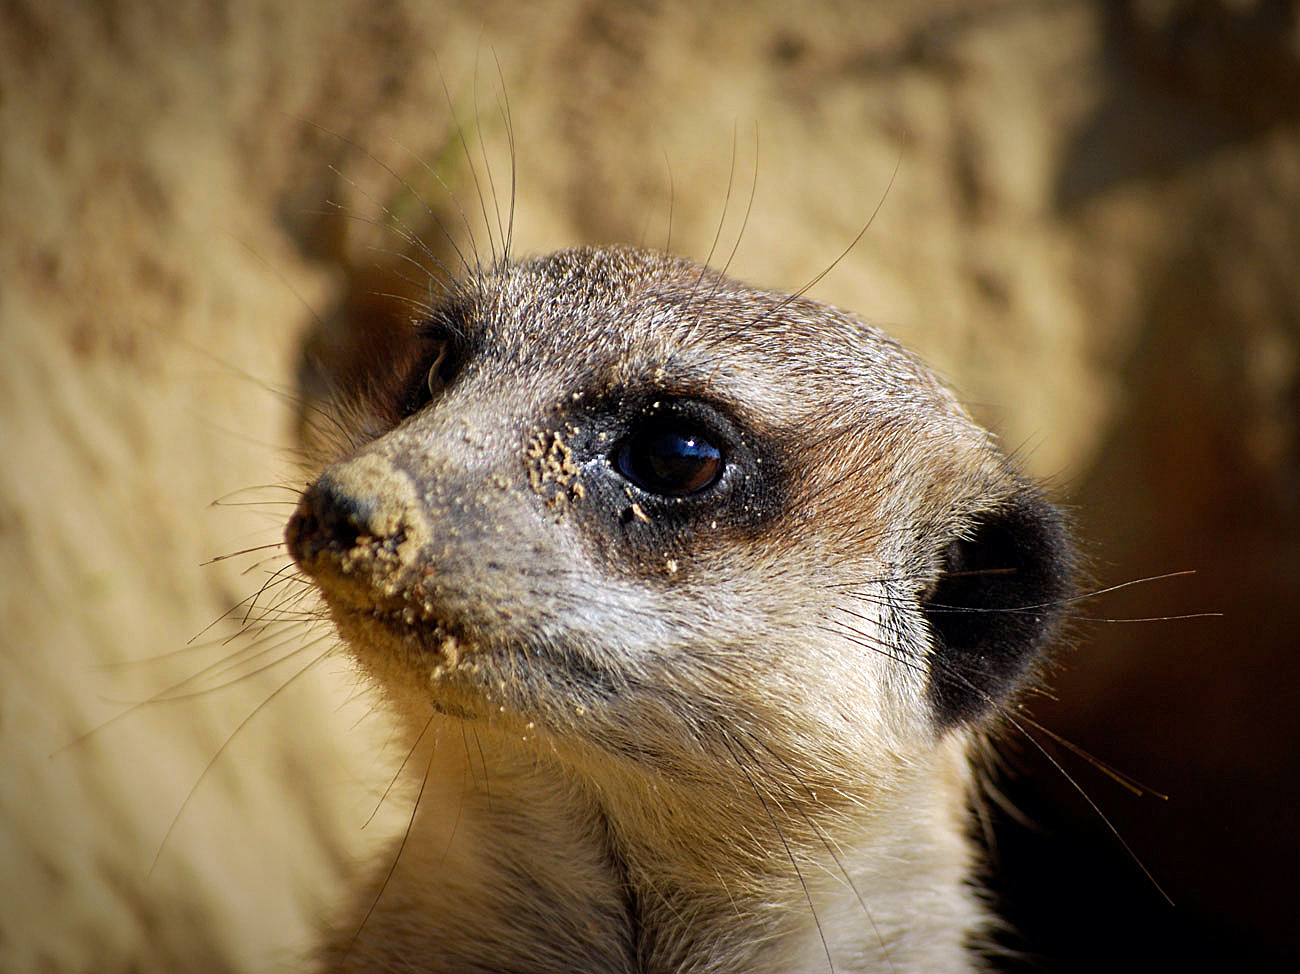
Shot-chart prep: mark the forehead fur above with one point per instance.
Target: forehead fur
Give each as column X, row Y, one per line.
column 640, row 317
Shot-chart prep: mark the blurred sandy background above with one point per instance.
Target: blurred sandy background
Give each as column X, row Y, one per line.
column 1093, row 228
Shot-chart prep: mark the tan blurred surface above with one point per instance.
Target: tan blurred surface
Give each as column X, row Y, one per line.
column 1091, row 224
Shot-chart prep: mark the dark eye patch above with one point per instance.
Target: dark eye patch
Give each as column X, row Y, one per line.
column 667, row 477
column 670, row 457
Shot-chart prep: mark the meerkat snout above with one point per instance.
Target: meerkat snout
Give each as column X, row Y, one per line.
column 699, row 596
column 358, row 528
column 331, row 521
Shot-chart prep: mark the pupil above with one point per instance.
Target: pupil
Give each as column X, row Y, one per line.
column 669, row 461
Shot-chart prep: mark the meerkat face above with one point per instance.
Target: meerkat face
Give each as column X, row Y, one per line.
column 623, row 504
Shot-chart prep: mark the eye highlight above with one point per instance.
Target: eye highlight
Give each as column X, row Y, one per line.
column 670, row 458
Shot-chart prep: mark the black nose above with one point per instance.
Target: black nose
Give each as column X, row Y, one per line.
column 332, row 521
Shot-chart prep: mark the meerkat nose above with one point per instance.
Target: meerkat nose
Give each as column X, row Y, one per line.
column 361, row 520
column 330, row 518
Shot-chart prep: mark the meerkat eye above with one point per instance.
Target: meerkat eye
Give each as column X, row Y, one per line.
column 669, row 458
column 432, row 374
column 440, row 371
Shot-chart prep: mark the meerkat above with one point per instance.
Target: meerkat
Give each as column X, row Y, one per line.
column 699, row 598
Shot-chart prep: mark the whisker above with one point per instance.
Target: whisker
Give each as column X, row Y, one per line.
column 788, row 851
column 509, row 122
column 473, row 171
column 1105, row 819
column 398, row 773
column 233, row 734
column 223, row 500
column 816, row 279
column 487, row 166
column 243, row 551
column 1122, row 779
column 1004, row 713
column 693, row 329
column 822, row 835
column 401, row 846
column 271, row 580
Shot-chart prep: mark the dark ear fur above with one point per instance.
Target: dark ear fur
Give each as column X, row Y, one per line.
column 1000, row 596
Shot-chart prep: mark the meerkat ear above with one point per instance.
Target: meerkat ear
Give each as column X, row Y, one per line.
column 999, row 599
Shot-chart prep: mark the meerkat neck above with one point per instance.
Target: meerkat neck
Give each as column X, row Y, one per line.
column 510, row 866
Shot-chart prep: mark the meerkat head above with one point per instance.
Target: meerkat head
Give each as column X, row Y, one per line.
column 654, row 515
